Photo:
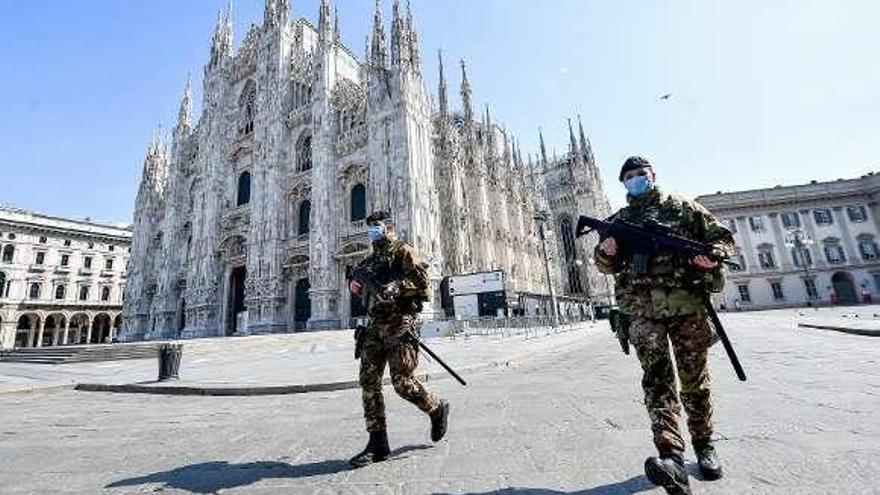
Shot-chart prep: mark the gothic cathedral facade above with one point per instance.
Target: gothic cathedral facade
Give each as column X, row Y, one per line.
column 247, row 220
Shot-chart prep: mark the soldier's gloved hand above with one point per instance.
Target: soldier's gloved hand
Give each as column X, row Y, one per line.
column 355, row 287
column 609, row 246
column 704, row 262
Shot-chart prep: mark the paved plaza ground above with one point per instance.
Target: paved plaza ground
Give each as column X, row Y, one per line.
column 564, row 418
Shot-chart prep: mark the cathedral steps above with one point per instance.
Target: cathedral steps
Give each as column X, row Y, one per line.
column 78, row 354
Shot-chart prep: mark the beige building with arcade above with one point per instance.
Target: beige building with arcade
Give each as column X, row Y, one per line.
column 61, row 281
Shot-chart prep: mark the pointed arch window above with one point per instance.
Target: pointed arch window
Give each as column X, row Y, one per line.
column 244, row 189
column 60, row 292
column 84, row 293
column 247, row 108
column 34, row 292
column 304, row 153
column 305, row 212
column 358, row 206
column 105, row 294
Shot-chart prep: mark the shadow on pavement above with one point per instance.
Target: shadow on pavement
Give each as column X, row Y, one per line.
column 211, row 477
column 636, row 484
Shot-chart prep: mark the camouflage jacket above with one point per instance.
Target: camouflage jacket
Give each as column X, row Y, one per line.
column 393, row 260
column 666, row 287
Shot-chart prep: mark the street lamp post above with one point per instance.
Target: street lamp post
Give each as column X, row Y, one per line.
column 800, row 241
column 541, row 217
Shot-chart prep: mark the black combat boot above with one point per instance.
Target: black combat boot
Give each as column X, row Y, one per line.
column 377, row 450
column 668, row 471
column 439, row 420
column 710, row 465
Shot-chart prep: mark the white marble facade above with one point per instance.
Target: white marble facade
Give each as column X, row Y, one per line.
column 61, row 280
column 246, row 221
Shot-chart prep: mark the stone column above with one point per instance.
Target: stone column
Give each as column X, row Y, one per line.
column 785, row 260
column 55, row 336
column 89, row 325
column 846, row 240
column 40, row 334
column 66, row 332
column 816, row 248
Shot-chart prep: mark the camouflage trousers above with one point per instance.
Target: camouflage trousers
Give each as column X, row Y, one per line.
column 690, row 338
column 402, row 357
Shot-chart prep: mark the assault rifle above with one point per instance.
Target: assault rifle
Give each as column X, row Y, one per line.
column 655, row 237
column 369, row 286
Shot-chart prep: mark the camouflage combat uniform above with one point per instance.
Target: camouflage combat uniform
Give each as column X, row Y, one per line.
column 658, row 292
column 386, row 340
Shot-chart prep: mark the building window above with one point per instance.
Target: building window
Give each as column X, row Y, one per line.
column 108, row 265
column 10, row 236
column 60, row 292
column 358, row 202
column 790, row 220
column 305, row 211
column 41, row 258
column 776, row 287
column 856, row 213
column 34, row 291
column 765, row 258
column 2, row 284
column 8, row 253
column 867, row 248
column 91, row 245
column 744, row 294
column 304, row 153
column 247, row 108
column 244, row 189
column 756, row 223
column 801, row 257
column 43, row 239
column 111, row 247
column 66, row 242
column 810, row 286
column 65, row 259
column 834, row 253
column 823, row 216
column 87, row 262
column 84, row 293
column 105, row 294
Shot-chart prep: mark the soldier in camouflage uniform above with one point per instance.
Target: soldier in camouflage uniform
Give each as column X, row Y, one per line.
column 386, row 339
column 663, row 295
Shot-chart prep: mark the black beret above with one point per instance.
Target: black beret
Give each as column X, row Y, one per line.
column 378, row 216
column 633, row 163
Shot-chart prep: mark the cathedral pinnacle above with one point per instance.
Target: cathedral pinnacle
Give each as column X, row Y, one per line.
column 572, row 141
column 543, row 147
column 184, row 115
column 466, row 94
column 586, row 146
column 379, row 48
column 441, row 89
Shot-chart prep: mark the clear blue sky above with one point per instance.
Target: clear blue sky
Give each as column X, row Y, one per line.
column 764, row 93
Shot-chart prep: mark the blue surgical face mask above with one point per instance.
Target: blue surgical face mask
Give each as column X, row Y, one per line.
column 375, row 233
column 638, row 185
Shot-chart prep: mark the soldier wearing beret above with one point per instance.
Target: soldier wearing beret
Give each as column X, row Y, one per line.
column 393, row 314
column 663, row 296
